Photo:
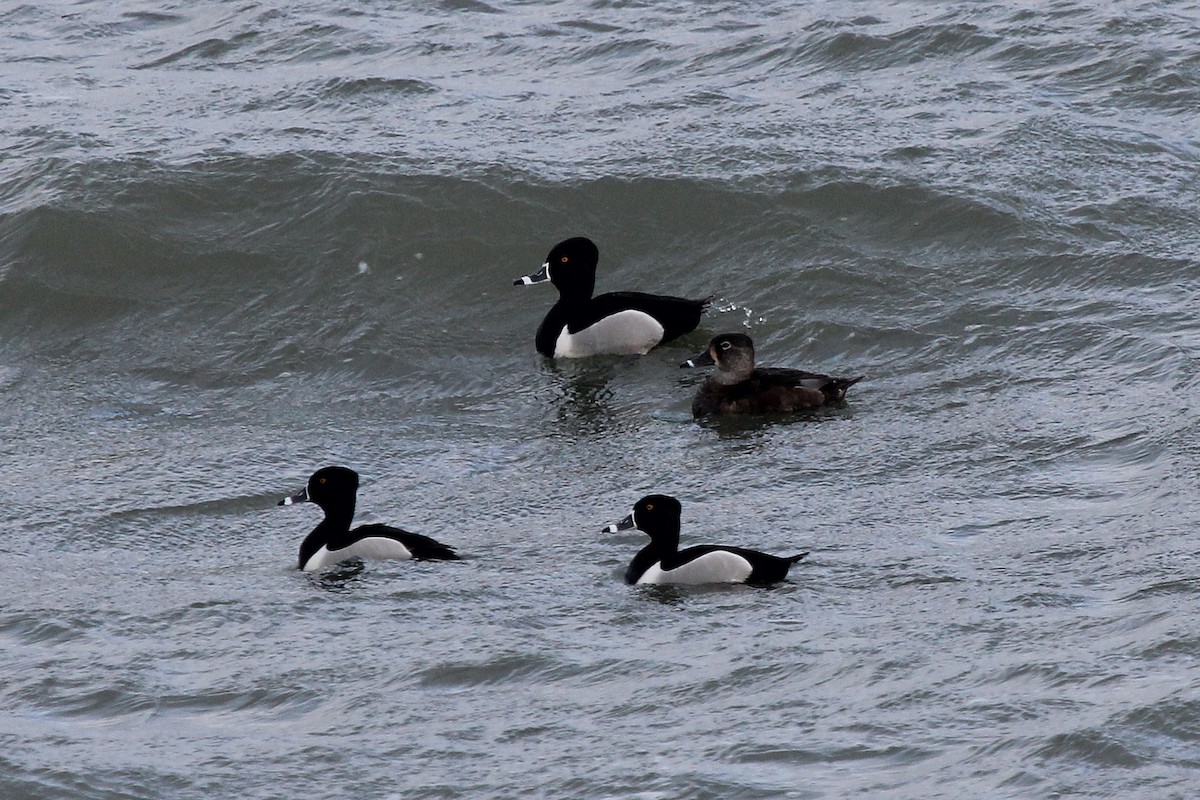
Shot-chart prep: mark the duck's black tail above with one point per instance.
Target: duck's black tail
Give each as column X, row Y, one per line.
column 677, row 315
column 424, row 548
column 443, row 552
column 794, row 559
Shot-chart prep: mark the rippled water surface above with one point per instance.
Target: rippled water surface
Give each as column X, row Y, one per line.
column 239, row 241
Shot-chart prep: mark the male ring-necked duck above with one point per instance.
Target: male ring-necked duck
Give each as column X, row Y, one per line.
column 662, row 561
column 741, row 388
column 616, row 323
column 334, row 489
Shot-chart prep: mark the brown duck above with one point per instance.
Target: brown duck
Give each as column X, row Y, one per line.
column 741, row 388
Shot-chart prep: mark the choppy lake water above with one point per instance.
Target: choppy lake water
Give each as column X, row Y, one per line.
column 239, row 241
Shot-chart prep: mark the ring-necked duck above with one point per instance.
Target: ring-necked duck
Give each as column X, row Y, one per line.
column 616, row 323
column 741, row 388
column 662, row 561
column 334, row 489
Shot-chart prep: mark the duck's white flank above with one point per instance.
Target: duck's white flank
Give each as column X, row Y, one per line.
column 370, row 547
column 719, row 566
column 628, row 332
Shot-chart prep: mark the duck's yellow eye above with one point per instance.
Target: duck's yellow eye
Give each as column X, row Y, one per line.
column 726, row 345
column 649, row 506
column 322, row 480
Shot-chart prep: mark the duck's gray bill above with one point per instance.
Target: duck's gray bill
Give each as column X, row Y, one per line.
column 541, row 276
column 623, row 525
column 705, row 359
column 296, row 498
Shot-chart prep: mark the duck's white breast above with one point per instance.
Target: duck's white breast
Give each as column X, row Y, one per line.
column 370, row 547
column 628, row 332
column 718, row 566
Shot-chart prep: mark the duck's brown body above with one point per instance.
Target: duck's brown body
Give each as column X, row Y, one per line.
column 741, row 388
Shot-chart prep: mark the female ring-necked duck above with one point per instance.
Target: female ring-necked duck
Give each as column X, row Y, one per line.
column 616, row 323
column 662, row 561
column 334, row 489
column 741, row 388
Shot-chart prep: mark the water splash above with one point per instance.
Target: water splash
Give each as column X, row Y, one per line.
column 751, row 318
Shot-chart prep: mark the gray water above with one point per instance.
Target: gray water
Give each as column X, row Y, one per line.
column 240, row 241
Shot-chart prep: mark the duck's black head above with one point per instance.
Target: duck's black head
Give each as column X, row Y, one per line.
column 571, row 265
column 655, row 514
column 733, row 353
column 329, row 487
